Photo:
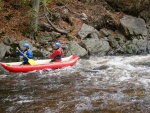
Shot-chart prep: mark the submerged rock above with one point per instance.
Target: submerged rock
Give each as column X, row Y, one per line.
column 101, row 67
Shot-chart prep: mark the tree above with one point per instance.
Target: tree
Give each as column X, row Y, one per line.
column 149, row 9
column 35, row 18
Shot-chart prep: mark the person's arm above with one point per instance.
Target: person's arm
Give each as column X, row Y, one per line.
column 62, row 54
column 54, row 54
column 20, row 52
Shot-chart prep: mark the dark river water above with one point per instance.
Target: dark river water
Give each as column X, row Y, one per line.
column 109, row 84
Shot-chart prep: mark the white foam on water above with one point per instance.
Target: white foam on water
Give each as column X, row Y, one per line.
column 84, row 103
column 144, row 81
column 24, row 101
column 126, row 76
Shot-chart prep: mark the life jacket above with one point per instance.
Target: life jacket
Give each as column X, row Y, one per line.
column 28, row 53
column 57, row 54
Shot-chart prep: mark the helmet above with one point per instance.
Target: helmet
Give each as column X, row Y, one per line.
column 26, row 45
column 57, row 44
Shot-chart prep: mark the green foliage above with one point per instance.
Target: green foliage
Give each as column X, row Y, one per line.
column 25, row 2
column 45, row 2
column 1, row 5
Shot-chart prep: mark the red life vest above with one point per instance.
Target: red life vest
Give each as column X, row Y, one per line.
column 57, row 54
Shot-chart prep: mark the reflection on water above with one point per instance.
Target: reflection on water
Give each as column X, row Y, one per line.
column 110, row 84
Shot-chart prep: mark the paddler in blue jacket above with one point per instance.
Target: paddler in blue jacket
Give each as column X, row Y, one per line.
column 26, row 52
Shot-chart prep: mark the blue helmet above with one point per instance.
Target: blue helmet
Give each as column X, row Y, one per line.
column 57, row 44
column 26, row 45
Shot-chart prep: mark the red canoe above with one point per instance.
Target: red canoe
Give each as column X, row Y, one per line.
column 40, row 65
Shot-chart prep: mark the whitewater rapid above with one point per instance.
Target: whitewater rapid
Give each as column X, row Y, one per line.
column 95, row 85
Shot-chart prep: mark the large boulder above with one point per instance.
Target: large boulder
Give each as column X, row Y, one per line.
column 141, row 44
column 135, row 46
column 85, row 30
column 148, row 46
column 75, row 49
column 9, row 41
column 3, row 49
column 95, row 45
column 132, row 26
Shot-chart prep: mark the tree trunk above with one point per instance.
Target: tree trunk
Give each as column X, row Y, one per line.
column 35, row 15
column 149, row 9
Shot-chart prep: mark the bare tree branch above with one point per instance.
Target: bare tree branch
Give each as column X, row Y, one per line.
column 58, row 30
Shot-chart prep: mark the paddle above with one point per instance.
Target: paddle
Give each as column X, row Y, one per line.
column 31, row 61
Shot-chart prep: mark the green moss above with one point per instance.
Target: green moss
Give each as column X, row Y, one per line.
column 1, row 5
column 69, row 37
column 48, row 35
column 37, row 54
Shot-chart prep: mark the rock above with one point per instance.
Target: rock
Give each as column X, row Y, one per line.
column 55, row 34
column 65, row 11
column 96, row 45
column 3, row 49
column 45, row 53
column 85, row 30
column 122, row 49
column 101, row 67
column 148, row 46
column 133, row 26
column 113, row 42
column 12, row 40
column 84, row 16
column 75, row 49
column 120, row 38
column 141, row 45
column 6, row 41
column 105, row 32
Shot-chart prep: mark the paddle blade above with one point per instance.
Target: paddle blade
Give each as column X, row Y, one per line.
column 31, row 62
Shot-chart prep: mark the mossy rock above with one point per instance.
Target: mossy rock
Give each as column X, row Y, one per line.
column 69, row 37
column 37, row 54
column 13, row 52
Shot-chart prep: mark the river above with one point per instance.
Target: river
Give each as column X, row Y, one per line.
column 108, row 84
